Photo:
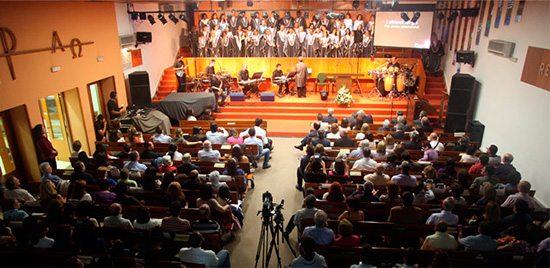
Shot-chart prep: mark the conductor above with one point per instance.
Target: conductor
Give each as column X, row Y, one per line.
column 301, row 77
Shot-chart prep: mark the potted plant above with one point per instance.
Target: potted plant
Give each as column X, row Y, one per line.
column 344, row 96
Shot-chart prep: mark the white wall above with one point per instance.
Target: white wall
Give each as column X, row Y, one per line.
column 161, row 52
column 515, row 114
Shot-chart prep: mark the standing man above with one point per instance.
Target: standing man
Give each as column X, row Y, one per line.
column 100, row 127
column 217, row 89
column 114, row 110
column 179, row 69
column 209, row 71
column 301, row 77
column 194, row 41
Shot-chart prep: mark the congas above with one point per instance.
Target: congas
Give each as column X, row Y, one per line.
column 388, row 82
column 400, row 82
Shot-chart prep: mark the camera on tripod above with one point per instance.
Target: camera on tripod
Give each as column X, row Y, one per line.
column 269, row 208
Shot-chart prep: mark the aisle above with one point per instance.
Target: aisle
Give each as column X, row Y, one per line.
column 279, row 180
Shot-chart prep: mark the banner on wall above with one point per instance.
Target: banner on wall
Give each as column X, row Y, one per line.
column 136, row 57
column 536, row 70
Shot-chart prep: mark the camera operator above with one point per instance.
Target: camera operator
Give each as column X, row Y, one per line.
column 316, row 170
column 305, row 213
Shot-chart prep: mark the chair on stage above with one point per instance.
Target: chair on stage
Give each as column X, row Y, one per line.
column 322, row 80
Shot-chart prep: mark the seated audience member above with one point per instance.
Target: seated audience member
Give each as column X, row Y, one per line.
column 407, row 213
column 446, row 215
column 415, row 166
column 214, row 178
column 430, row 175
column 368, row 195
column 441, row 239
column 385, row 126
column 400, row 133
column 46, row 170
column 391, row 163
column 148, row 152
column 193, row 181
column 390, row 143
column 344, row 141
column 160, row 137
column 335, row 193
column 116, row 220
column 41, row 232
column 340, row 172
column 173, row 152
column 262, row 152
column 365, row 163
column 143, row 219
column 449, row 169
column 174, row 193
column 206, row 196
column 365, row 133
column 457, row 190
column 48, row 192
column 190, row 115
column 491, row 216
column 196, row 255
column 320, row 233
column 308, row 257
column 186, row 167
column 232, row 170
column 378, row 177
column 12, row 211
column 358, row 153
column 414, row 142
column 361, row 119
column 316, row 171
column 520, row 216
column 353, row 212
column 423, row 193
column 207, row 154
column 78, row 192
column 380, row 152
column 319, row 119
column 197, row 136
column 104, row 196
column 304, row 162
column 506, row 167
column 367, row 258
column 429, row 153
column 334, row 132
column 434, row 142
column 352, row 119
column 268, row 143
column 480, row 242
column 214, row 136
column 127, row 147
column 441, row 259
column 234, row 137
column 489, row 194
column 392, row 193
column 134, row 165
column 492, row 152
column 102, row 173
column 150, row 181
column 320, row 139
column 404, row 179
column 81, row 174
column 204, row 225
column 462, row 144
column 312, row 134
column 122, row 196
column 470, row 157
column 174, row 223
column 518, row 242
column 488, row 177
column 476, row 170
column 329, row 118
column 237, row 152
column 346, row 238
column 425, row 124
column 77, row 148
column 304, row 213
column 167, row 165
column 224, row 198
column 14, row 191
column 513, row 180
column 411, row 258
column 399, row 150
column 125, row 178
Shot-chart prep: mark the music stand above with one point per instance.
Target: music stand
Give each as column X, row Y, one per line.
column 257, row 75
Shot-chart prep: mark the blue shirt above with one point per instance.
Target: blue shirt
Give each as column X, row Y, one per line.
column 54, row 178
column 447, row 216
column 15, row 215
column 479, row 242
column 404, row 180
column 135, row 165
column 323, row 236
column 161, row 138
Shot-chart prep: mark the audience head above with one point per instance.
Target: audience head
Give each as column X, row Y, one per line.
column 319, row 117
column 195, row 239
column 365, row 127
column 405, row 167
column 345, row 228
column 330, row 111
column 489, row 192
column 344, row 122
column 143, row 215
column 12, row 182
column 492, row 212
column 457, row 190
column 45, row 168
column 206, row 192
column 159, row 130
column 441, row 226
column 353, row 203
column 115, row 209
column 321, row 133
column 102, row 172
column 134, row 156
column 492, row 150
column 207, row 144
column 441, row 259
column 524, row 187
column 484, row 228
column 448, row 204
column 386, row 124
column 392, row 189
column 507, row 158
column 399, row 150
column 214, row 127
column 430, row 173
column 521, row 207
column 252, row 132
column 310, row 200
column 148, row 145
column 307, row 246
column 399, row 127
column 214, row 177
column 390, row 141
column 310, row 150
column 175, row 208
column 514, row 177
column 380, row 168
column 320, row 218
column 364, row 145
column 104, row 185
column 368, row 186
column 414, row 135
column 204, row 211
column 124, row 173
column 490, row 170
column 408, row 198
column 77, row 145
column 366, row 153
column 334, row 128
column 166, row 160
column 425, row 121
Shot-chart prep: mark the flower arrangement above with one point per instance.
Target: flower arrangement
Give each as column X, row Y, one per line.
column 344, row 96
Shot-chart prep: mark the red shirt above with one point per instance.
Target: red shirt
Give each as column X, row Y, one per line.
column 475, row 170
column 348, row 241
column 164, row 169
column 45, row 149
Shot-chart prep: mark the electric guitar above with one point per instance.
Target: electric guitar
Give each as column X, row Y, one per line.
column 180, row 71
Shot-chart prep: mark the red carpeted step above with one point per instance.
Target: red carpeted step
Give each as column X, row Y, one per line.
column 168, row 83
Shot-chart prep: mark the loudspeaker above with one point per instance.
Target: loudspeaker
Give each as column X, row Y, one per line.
column 324, row 95
column 144, row 37
column 461, row 102
column 465, row 56
column 139, row 89
column 476, row 129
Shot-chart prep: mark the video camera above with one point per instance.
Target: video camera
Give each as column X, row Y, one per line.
column 269, row 208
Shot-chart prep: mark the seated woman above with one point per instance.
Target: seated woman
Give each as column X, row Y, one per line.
column 190, row 115
column 391, row 163
column 214, row 178
column 237, row 153
column 457, row 190
column 167, row 165
column 344, row 127
column 232, row 170
column 489, row 194
column 104, row 196
column 346, row 238
column 206, row 196
column 224, row 198
column 234, row 137
column 470, row 157
column 334, row 132
column 380, row 152
column 365, row 133
column 316, row 170
column 353, row 212
column 423, row 193
column 143, row 219
column 174, row 193
column 78, row 192
column 392, row 193
column 390, row 143
column 340, row 172
column 335, row 193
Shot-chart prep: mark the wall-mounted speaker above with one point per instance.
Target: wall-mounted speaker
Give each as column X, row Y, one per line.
column 144, row 37
column 465, row 56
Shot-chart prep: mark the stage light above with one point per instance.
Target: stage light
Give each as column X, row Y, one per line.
column 355, row 4
column 265, row 15
column 183, row 18
column 367, row 4
column 151, row 19
column 173, row 18
column 134, row 15
column 415, row 17
column 453, row 16
column 162, row 19
column 440, row 15
column 405, row 17
column 142, row 15
column 249, row 3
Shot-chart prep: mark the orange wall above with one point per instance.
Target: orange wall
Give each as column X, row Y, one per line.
column 33, row 24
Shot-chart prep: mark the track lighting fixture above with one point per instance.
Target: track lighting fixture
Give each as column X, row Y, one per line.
column 151, row 19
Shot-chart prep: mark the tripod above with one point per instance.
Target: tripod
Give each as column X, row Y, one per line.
column 264, row 242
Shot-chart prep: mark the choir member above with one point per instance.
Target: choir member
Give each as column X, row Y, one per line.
column 359, row 22
column 343, row 28
column 348, row 21
column 238, row 40
column 214, row 21
column 256, row 21
column 223, row 22
column 367, row 45
column 280, row 39
column 333, row 43
column 302, row 35
column 226, row 44
column 243, row 21
column 311, row 44
column 194, row 41
column 325, row 21
column 204, row 22
column 299, row 20
column 256, row 44
column 269, row 44
column 273, row 21
column 292, row 44
column 233, row 22
column 325, row 45
column 263, row 27
column 203, row 40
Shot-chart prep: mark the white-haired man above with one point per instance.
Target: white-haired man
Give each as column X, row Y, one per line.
column 320, row 233
column 207, row 154
column 358, row 153
column 329, row 118
column 434, row 142
column 446, row 215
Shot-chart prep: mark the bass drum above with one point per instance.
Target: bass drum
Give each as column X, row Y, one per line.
column 400, row 82
column 388, row 82
column 380, row 86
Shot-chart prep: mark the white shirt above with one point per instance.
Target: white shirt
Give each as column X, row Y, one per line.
column 44, row 242
column 217, row 137
column 161, row 138
column 209, row 155
column 19, row 194
column 152, row 223
column 333, row 136
column 199, row 256
column 255, row 140
column 364, row 164
column 440, row 240
column 439, row 148
column 447, row 216
column 177, row 156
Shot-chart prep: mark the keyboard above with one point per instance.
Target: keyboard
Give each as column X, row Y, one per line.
column 252, row 81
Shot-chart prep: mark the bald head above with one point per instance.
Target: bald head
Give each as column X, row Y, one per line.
column 507, row 158
column 245, row 66
column 207, row 144
column 380, row 168
column 433, row 136
column 300, row 59
column 524, row 186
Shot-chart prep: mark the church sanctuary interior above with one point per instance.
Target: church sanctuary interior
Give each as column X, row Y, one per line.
column 292, row 133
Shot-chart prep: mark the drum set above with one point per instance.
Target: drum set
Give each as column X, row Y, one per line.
column 394, row 82
column 202, row 83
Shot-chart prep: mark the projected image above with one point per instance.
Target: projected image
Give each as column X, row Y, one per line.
column 397, row 29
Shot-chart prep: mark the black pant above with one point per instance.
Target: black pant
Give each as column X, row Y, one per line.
column 216, row 96
column 281, row 87
column 181, row 83
column 300, row 176
column 301, row 91
column 290, row 226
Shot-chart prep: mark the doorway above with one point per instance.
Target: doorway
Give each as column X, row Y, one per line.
column 7, row 161
column 55, row 121
column 99, row 93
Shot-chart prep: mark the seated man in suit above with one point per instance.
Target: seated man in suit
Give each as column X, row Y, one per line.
column 385, row 126
column 312, row 134
column 329, row 118
column 407, row 213
column 321, row 139
column 394, row 120
column 344, row 141
column 414, row 143
column 400, row 134
column 401, row 119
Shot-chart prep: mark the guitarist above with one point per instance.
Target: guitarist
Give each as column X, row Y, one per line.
column 216, row 86
column 179, row 68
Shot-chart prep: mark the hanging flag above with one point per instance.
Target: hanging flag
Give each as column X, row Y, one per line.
column 480, row 21
column 489, row 18
column 499, row 13
column 509, row 12
column 520, row 10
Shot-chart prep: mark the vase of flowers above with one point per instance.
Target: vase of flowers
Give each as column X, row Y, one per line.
column 344, row 96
